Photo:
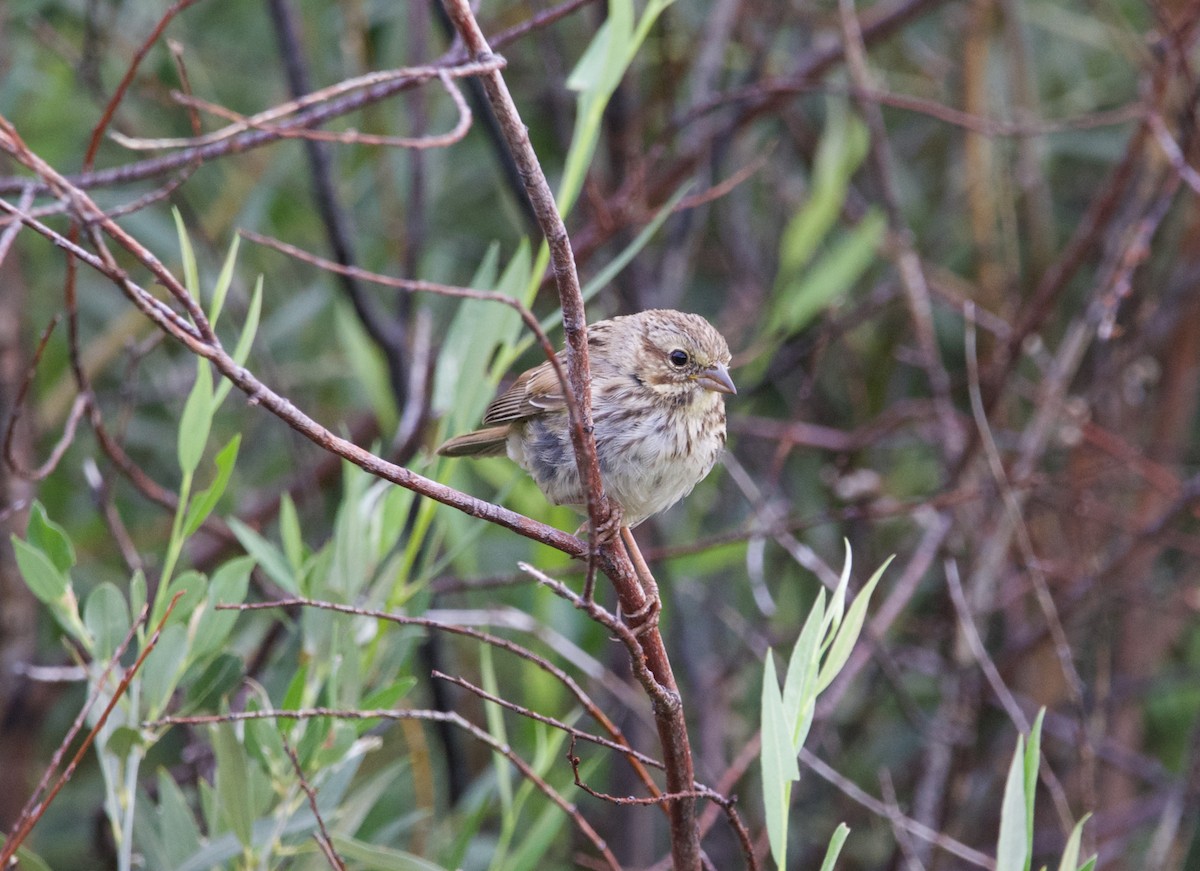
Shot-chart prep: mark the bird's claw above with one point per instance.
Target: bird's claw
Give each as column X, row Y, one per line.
column 645, row 618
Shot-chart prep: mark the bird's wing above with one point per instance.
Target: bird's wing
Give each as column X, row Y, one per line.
column 535, row 391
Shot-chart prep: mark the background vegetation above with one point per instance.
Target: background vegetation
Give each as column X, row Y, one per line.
column 952, row 244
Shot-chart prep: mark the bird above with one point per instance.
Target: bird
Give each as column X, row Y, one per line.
column 658, row 384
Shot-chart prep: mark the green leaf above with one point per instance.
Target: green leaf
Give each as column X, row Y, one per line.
column 1011, row 848
column 50, row 538
column 223, row 281
column 163, row 668
column 196, row 419
column 27, row 860
column 266, row 554
column 176, row 823
column 779, row 766
column 122, row 741
column 1033, row 758
column 221, row 676
column 1070, row 856
column 1089, row 865
column 192, row 585
column 204, row 503
column 835, row 846
column 228, row 587
column 367, row 368
column 384, row 698
column 847, row 634
column 837, row 601
column 191, row 275
column 293, row 697
column 44, row 579
column 107, row 618
column 833, row 274
column 137, row 592
column 242, row 350
column 233, row 783
column 290, row 534
column 799, row 685
column 381, row 858
column 843, row 146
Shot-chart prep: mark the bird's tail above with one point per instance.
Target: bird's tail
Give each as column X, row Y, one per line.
column 489, row 442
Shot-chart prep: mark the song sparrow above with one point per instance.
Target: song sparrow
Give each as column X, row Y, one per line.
column 657, row 405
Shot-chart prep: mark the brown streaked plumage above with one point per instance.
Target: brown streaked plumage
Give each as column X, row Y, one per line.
column 658, row 379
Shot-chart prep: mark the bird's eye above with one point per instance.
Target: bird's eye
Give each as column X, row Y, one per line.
column 679, row 358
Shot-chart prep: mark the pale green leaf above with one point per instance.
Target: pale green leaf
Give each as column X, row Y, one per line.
column 224, row 280
column 1012, row 849
column 799, row 684
column 268, row 556
column 778, row 759
column 228, row 586
column 290, row 534
column 1070, row 856
column 367, row 366
column 848, row 632
column 233, row 783
column 835, row 846
column 242, row 350
column 191, row 275
column 50, row 538
column 176, row 824
column 163, row 668
column 1033, row 758
column 840, row 152
column 44, row 579
column 802, row 297
column 196, row 419
column 191, row 587
column 107, row 618
column 379, row 858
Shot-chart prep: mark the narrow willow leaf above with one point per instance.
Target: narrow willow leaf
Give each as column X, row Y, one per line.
column 837, row 602
column 367, row 366
column 1011, row 846
column 495, row 724
column 245, row 340
column 1070, row 856
column 1033, row 758
column 847, row 635
column 779, row 766
column 830, row 276
column 205, row 501
column 177, row 826
column 191, row 275
column 803, row 667
column 196, row 419
column 268, row 556
column 233, row 783
column 290, row 534
column 841, row 150
column 835, row 846
column 378, row 857
column 224, row 280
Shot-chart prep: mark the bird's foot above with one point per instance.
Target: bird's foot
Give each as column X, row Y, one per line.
column 645, row 618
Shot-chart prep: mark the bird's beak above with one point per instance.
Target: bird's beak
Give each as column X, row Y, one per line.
column 716, row 377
